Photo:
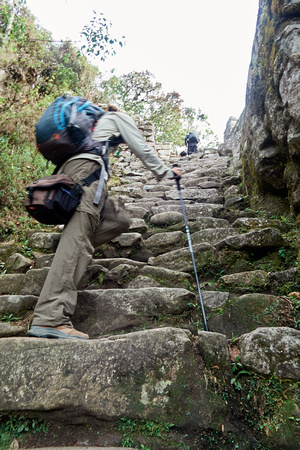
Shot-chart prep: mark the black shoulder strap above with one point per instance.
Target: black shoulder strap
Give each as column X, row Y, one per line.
column 77, row 188
column 91, row 178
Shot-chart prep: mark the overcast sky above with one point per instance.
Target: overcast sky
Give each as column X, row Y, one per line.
column 199, row 48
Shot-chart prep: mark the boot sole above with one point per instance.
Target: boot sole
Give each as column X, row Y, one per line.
column 50, row 333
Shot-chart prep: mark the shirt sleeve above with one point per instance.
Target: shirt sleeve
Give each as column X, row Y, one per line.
column 116, row 123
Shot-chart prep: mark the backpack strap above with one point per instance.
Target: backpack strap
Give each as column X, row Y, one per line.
column 91, row 178
column 99, row 188
column 104, row 155
column 98, row 174
column 102, row 173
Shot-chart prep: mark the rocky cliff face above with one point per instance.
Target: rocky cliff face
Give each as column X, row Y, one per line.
column 270, row 137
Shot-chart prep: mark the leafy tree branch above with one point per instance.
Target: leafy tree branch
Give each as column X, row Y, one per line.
column 99, row 41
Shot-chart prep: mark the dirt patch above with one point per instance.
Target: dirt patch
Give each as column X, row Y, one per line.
column 105, row 434
column 234, row 351
column 60, row 435
column 26, row 322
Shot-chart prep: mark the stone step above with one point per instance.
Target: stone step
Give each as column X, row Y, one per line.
column 115, row 310
column 141, row 375
column 148, row 306
column 138, row 375
column 193, row 212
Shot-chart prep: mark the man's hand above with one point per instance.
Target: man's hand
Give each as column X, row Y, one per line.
column 177, row 171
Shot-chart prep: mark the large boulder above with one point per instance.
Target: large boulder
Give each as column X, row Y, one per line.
column 200, row 195
column 167, row 277
column 163, row 242
column 192, row 211
column 142, row 375
column 16, row 304
column 212, row 235
column 17, row 263
column 30, row 283
column 272, row 351
column 244, row 314
column 266, row 238
column 245, row 281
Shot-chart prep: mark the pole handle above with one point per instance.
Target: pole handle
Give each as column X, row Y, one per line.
column 177, row 178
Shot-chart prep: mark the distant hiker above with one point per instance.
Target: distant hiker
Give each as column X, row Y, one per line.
column 92, row 225
column 191, row 140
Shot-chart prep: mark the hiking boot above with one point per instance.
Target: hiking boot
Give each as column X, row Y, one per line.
column 60, row 332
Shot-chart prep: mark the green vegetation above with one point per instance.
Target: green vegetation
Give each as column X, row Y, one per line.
column 99, row 42
column 264, row 400
column 9, row 318
column 266, row 407
column 14, row 427
column 135, row 430
column 19, row 164
column 36, row 71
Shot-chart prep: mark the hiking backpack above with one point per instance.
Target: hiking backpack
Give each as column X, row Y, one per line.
column 66, row 128
column 193, row 137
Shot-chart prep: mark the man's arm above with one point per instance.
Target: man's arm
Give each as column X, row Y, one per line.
column 116, row 123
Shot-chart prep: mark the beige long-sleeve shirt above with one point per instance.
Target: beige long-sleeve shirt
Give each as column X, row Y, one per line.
column 116, row 123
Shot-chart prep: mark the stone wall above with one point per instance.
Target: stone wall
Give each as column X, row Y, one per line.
column 164, row 150
column 147, row 129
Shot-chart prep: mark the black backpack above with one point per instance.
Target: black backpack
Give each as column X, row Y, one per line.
column 66, row 128
column 52, row 200
column 193, row 137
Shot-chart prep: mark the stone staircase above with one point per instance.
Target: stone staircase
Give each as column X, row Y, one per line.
column 149, row 358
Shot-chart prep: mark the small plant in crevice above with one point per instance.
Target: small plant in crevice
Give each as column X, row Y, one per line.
column 9, row 318
column 189, row 286
column 294, row 300
column 282, row 253
column 238, row 370
column 225, row 441
column 100, row 278
column 25, row 249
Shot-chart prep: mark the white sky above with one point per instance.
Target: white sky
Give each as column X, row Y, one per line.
column 199, row 48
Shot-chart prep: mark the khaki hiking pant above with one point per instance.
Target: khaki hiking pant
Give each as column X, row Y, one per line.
column 90, row 226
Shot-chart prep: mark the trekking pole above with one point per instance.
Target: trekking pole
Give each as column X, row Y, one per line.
column 191, row 248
